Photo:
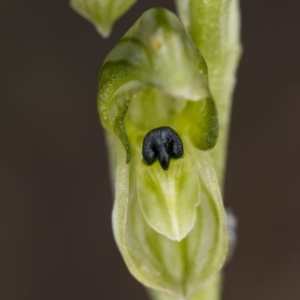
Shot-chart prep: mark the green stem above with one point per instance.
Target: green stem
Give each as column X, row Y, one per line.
column 210, row 291
column 215, row 29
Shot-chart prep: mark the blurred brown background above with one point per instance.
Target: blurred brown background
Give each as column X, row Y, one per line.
column 56, row 240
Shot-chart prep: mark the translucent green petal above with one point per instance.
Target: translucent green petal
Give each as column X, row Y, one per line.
column 102, row 13
column 168, row 199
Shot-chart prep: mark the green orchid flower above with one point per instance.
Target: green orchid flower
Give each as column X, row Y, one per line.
column 159, row 91
column 169, row 225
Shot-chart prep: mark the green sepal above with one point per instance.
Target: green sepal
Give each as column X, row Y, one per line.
column 102, row 13
column 205, row 134
column 157, row 53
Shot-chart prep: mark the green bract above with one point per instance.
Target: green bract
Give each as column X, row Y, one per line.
column 102, row 13
column 169, row 225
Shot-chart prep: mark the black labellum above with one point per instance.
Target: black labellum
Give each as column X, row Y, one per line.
column 163, row 143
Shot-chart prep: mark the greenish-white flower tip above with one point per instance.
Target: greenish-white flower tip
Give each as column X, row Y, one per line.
column 102, row 13
column 157, row 53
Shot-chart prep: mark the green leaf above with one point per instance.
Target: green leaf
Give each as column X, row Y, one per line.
column 214, row 26
column 102, row 13
column 169, row 199
column 157, row 55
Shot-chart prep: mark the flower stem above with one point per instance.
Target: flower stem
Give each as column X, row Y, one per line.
column 210, row 291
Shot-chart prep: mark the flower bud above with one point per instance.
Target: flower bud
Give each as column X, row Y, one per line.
column 102, row 13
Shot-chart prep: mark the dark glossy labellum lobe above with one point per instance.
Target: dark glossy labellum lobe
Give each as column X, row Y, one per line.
column 163, row 143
